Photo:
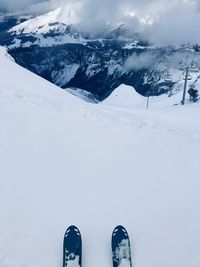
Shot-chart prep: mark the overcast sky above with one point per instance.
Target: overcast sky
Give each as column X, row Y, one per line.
column 162, row 21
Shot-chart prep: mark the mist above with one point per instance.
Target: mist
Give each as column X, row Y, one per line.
column 136, row 62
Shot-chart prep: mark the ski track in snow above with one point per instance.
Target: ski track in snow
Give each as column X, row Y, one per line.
column 138, row 119
column 64, row 161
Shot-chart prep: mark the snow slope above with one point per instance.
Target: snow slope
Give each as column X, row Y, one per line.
column 126, row 96
column 66, row 15
column 64, row 161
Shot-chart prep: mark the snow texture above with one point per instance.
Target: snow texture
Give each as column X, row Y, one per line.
column 60, row 17
column 64, row 161
column 68, row 70
column 126, row 96
column 74, row 262
column 122, row 253
column 124, row 263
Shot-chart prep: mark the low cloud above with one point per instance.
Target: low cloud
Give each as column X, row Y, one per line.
column 141, row 61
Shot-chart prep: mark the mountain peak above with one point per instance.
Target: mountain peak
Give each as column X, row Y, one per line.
column 125, row 96
column 67, row 15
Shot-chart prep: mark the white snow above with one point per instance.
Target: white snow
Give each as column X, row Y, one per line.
column 65, row 75
column 67, row 15
column 126, row 96
column 74, row 263
column 123, row 251
column 48, row 41
column 124, row 263
column 56, row 21
column 86, row 96
column 64, row 161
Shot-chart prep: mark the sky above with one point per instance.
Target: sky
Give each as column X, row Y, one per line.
column 160, row 21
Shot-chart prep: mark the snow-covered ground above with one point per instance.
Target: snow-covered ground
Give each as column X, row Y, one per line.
column 64, row 161
column 126, row 96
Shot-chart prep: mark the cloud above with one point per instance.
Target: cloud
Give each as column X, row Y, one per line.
column 19, row 5
column 176, row 24
column 141, row 61
column 163, row 22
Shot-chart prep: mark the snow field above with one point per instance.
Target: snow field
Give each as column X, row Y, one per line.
column 64, row 161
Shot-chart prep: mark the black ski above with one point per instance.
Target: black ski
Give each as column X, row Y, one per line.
column 121, row 250
column 72, row 247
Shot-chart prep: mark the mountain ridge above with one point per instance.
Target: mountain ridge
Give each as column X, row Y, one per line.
column 69, row 58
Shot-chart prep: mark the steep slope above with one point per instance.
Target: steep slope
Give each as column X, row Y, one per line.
column 63, row 162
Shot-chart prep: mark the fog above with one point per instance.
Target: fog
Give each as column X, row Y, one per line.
column 142, row 61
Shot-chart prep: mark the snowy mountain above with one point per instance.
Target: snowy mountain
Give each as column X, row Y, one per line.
column 65, row 15
column 59, row 155
column 97, row 64
column 55, row 47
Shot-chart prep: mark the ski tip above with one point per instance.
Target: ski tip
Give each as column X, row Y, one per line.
column 72, row 229
column 120, row 230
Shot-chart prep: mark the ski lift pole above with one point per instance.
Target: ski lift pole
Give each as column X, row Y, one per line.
column 147, row 102
column 185, row 86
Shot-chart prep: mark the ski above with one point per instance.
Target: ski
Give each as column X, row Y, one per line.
column 72, row 247
column 121, row 250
